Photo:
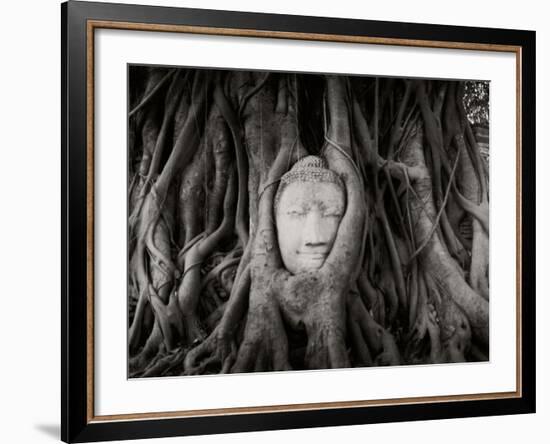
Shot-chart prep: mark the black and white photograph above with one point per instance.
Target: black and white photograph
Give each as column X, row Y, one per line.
column 284, row 221
column 275, row 222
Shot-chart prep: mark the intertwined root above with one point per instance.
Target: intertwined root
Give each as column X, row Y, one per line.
column 218, row 352
column 426, row 327
column 373, row 344
column 265, row 344
column 207, row 152
column 219, row 349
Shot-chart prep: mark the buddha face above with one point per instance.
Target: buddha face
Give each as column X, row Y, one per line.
column 307, row 217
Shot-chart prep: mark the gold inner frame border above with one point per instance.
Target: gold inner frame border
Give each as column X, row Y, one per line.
column 92, row 25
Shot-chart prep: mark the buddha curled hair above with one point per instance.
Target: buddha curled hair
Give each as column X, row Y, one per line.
column 308, row 169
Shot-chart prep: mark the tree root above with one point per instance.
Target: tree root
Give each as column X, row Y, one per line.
column 265, row 343
column 444, row 271
column 369, row 335
column 219, row 347
column 399, row 272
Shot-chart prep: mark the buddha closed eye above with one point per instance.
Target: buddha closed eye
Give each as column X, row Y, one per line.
column 326, row 211
column 309, row 205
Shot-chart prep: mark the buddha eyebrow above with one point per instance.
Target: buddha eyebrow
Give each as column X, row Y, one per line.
column 334, row 206
column 293, row 206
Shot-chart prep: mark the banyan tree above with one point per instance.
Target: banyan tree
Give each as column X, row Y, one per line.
column 282, row 221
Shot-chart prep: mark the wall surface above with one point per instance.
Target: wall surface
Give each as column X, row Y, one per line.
column 30, row 226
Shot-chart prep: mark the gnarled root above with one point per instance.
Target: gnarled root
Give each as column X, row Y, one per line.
column 139, row 362
column 446, row 274
column 219, row 347
column 369, row 339
column 425, row 326
column 218, row 351
column 265, row 344
column 456, row 334
column 326, row 346
column 165, row 364
column 315, row 301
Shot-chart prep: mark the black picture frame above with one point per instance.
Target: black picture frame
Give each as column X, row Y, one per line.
column 77, row 424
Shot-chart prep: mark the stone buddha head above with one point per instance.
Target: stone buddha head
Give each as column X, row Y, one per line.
column 309, row 206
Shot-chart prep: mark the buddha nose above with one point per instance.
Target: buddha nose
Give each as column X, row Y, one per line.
column 313, row 235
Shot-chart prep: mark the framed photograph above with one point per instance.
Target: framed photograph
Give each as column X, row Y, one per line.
column 276, row 221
